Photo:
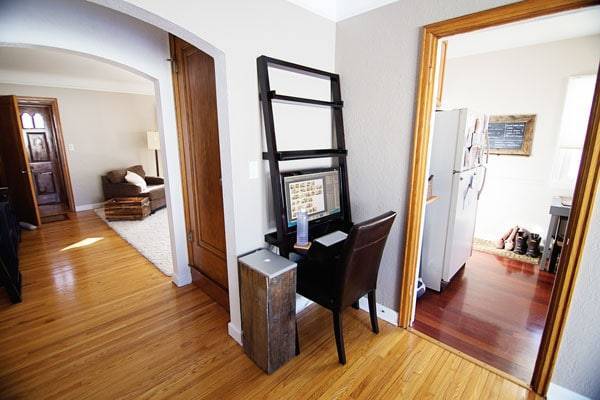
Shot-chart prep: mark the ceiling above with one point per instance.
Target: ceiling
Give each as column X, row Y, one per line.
column 46, row 67
column 561, row 26
column 337, row 10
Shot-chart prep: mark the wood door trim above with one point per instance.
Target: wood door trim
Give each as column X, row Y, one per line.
column 180, row 110
column 584, row 193
column 60, row 142
column 25, row 158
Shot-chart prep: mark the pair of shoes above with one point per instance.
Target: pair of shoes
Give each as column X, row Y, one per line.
column 509, row 243
column 533, row 245
column 521, row 241
column 502, row 240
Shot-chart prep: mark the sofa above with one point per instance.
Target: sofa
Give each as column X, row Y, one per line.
column 114, row 185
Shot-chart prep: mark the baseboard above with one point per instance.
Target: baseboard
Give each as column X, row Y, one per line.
column 557, row 392
column 86, row 207
column 383, row 312
column 211, row 288
column 235, row 333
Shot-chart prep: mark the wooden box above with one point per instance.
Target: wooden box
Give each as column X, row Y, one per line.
column 268, row 303
column 127, row 208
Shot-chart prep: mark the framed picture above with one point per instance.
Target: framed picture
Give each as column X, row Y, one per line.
column 511, row 134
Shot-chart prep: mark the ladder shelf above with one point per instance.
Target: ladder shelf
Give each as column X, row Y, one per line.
column 284, row 237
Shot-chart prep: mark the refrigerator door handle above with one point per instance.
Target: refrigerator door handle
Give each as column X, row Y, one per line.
column 482, row 182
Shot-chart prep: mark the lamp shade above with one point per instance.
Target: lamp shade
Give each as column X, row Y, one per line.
column 153, row 140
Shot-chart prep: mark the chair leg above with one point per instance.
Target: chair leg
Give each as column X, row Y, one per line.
column 373, row 312
column 339, row 336
column 297, row 340
column 355, row 305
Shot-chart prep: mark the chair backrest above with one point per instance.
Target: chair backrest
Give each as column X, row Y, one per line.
column 357, row 271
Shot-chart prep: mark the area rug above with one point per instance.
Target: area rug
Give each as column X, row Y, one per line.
column 149, row 236
column 488, row 246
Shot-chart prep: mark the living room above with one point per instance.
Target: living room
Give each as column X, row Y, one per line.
column 83, row 159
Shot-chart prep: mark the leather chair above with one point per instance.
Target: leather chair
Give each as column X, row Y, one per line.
column 340, row 281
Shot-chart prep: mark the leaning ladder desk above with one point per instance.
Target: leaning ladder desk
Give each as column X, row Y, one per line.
column 283, row 239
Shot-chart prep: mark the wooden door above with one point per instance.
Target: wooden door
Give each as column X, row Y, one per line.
column 196, row 103
column 15, row 163
column 42, row 146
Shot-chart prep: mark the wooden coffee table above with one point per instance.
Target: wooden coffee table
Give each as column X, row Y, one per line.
column 127, row 208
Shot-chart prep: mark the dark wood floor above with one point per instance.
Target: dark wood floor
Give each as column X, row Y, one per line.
column 493, row 310
column 98, row 321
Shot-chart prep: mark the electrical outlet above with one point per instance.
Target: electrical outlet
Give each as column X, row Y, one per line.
column 71, row 147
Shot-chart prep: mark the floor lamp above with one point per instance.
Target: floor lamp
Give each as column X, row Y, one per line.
column 154, row 144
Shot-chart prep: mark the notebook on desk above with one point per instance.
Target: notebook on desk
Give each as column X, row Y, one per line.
column 331, row 238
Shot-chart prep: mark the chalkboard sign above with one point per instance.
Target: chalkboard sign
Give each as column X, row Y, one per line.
column 511, row 134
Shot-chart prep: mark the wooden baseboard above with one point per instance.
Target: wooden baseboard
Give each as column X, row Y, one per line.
column 211, row 288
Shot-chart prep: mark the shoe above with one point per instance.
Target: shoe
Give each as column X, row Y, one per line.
column 509, row 244
column 500, row 242
column 533, row 245
column 521, row 241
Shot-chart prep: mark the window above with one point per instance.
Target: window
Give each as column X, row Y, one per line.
column 573, row 128
column 26, row 121
column 38, row 121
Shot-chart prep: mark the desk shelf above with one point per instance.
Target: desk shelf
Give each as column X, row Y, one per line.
column 284, row 237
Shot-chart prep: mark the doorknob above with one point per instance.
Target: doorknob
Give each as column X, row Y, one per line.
column 23, row 171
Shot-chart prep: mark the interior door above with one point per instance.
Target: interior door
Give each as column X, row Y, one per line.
column 42, row 147
column 196, row 101
column 15, row 161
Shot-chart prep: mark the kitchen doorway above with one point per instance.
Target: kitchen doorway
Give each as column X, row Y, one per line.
column 581, row 204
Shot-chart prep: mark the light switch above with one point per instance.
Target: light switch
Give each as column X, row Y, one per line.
column 71, row 147
column 253, row 170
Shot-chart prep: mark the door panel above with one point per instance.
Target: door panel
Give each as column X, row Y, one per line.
column 194, row 80
column 461, row 231
column 15, row 162
column 44, row 160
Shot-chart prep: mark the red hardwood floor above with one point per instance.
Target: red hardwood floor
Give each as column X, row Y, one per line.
column 494, row 310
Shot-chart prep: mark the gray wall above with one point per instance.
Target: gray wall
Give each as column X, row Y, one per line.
column 578, row 362
column 107, row 130
column 377, row 58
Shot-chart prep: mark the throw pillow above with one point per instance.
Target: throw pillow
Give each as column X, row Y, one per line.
column 137, row 180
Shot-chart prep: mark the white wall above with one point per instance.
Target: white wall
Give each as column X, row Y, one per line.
column 525, row 80
column 377, row 57
column 107, row 131
column 234, row 33
column 243, row 31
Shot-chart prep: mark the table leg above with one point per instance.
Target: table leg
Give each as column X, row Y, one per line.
column 551, row 232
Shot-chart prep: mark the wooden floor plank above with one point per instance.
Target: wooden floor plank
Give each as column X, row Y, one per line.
column 100, row 322
column 494, row 309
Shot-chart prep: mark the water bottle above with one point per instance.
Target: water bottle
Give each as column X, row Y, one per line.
column 302, row 227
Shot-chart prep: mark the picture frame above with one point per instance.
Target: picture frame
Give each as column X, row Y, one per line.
column 511, row 134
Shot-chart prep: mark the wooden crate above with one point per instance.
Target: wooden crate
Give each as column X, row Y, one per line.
column 127, row 208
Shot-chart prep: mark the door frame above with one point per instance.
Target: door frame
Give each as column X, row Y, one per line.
column 585, row 189
column 60, row 143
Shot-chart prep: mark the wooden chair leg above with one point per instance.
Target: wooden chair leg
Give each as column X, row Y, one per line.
column 339, row 336
column 297, row 340
column 373, row 312
column 355, row 305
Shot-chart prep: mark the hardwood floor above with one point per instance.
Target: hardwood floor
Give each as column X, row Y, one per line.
column 494, row 310
column 99, row 322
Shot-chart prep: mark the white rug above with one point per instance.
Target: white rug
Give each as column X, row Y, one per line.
column 149, row 236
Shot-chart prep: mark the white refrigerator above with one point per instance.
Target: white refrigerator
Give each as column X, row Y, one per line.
column 458, row 164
